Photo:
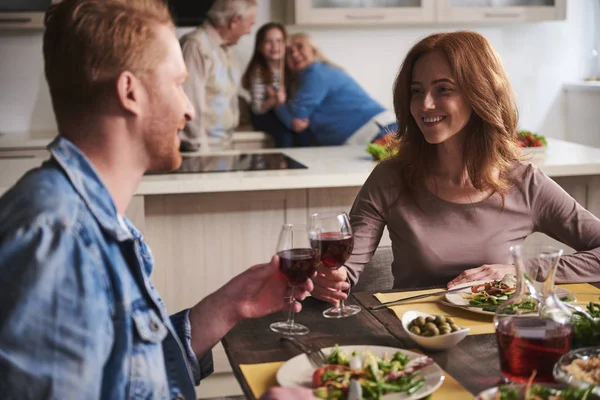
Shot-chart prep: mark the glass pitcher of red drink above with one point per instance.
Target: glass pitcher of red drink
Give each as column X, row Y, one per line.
column 532, row 327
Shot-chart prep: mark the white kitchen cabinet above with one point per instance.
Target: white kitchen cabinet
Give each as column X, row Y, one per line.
column 360, row 12
column 495, row 11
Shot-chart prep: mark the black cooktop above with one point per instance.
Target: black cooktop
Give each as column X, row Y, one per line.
column 237, row 162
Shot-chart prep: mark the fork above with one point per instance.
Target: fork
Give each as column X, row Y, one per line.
column 315, row 356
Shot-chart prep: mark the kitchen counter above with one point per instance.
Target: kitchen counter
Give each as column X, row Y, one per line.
column 328, row 167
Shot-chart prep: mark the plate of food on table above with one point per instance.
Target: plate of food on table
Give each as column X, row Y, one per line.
column 364, row 372
column 483, row 297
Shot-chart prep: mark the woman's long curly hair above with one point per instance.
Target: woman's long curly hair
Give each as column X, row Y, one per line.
column 491, row 140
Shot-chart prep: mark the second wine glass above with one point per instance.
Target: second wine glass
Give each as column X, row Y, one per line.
column 332, row 233
column 298, row 260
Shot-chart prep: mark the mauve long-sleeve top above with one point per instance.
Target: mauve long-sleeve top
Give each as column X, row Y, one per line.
column 434, row 240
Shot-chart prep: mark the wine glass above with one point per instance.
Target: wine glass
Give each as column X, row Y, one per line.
column 332, row 233
column 298, row 261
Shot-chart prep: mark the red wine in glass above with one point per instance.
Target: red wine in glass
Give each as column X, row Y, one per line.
column 332, row 234
column 530, row 344
column 297, row 264
column 298, row 261
column 336, row 248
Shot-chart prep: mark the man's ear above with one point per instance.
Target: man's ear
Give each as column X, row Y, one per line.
column 235, row 21
column 130, row 92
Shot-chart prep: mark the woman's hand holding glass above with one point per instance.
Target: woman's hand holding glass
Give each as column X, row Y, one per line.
column 330, row 284
column 332, row 234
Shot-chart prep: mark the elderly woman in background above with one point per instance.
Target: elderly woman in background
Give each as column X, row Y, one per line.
column 457, row 196
column 265, row 80
column 326, row 99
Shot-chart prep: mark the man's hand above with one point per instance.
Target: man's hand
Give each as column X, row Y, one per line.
column 279, row 393
column 258, row 291
column 298, row 125
column 487, row 272
column 329, row 284
column 262, row 290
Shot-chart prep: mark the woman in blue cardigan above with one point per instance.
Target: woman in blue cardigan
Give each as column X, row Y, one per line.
column 328, row 101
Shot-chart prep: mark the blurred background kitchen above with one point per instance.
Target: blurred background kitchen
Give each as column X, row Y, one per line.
column 549, row 48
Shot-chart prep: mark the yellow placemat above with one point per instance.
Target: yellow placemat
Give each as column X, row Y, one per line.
column 450, row 389
column 479, row 323
column 261, row 377
column 584, row 292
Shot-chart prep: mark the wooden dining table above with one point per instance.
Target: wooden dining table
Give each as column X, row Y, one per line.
column 473, row 362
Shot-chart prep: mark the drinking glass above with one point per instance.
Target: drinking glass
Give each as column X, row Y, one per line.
column 332, row 233
column 532, row 327
column 298, row 261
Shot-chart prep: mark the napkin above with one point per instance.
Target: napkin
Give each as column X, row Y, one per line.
column 260, row 377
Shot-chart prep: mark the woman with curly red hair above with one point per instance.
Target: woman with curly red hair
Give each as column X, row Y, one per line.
column 457, row 195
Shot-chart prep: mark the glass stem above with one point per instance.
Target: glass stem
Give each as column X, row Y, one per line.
column 291, row 313
column 341, row 305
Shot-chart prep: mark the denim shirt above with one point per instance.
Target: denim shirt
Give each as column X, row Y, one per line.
column 79, row 317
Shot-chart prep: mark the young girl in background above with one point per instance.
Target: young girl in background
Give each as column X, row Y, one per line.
column 265, row 80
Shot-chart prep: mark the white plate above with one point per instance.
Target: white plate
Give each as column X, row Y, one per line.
column 457, row 300
column 298, row 371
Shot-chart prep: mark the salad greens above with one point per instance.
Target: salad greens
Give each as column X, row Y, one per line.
column 586, row 332
column 376, row 375
column 539, row 392
column 383, row 147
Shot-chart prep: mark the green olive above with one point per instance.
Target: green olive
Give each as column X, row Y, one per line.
column 454, row 327
column 429, row 326
column 444, row 326
column 450, row 320
column 440, row 319
column 419, row 321
column 445, row 330
column 430, row 319
column 416, row 330
column 426, row 333
column 434, row 331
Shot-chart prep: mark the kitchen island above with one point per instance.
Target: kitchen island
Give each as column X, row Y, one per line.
column 205, row 228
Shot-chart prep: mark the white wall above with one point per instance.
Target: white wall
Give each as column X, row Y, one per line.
column 539, row 58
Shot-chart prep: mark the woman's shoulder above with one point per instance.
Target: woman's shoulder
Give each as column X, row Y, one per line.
column 322, row 68
column 526, row 174
column 385, row 175
column 531, row 182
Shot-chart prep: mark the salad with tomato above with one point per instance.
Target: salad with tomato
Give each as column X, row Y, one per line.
column 377, row 376
column 382, row 148
column 492, row 292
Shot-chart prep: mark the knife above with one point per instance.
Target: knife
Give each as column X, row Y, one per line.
column 420, row 296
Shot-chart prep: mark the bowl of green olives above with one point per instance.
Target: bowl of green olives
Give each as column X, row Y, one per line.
column 433, row 332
